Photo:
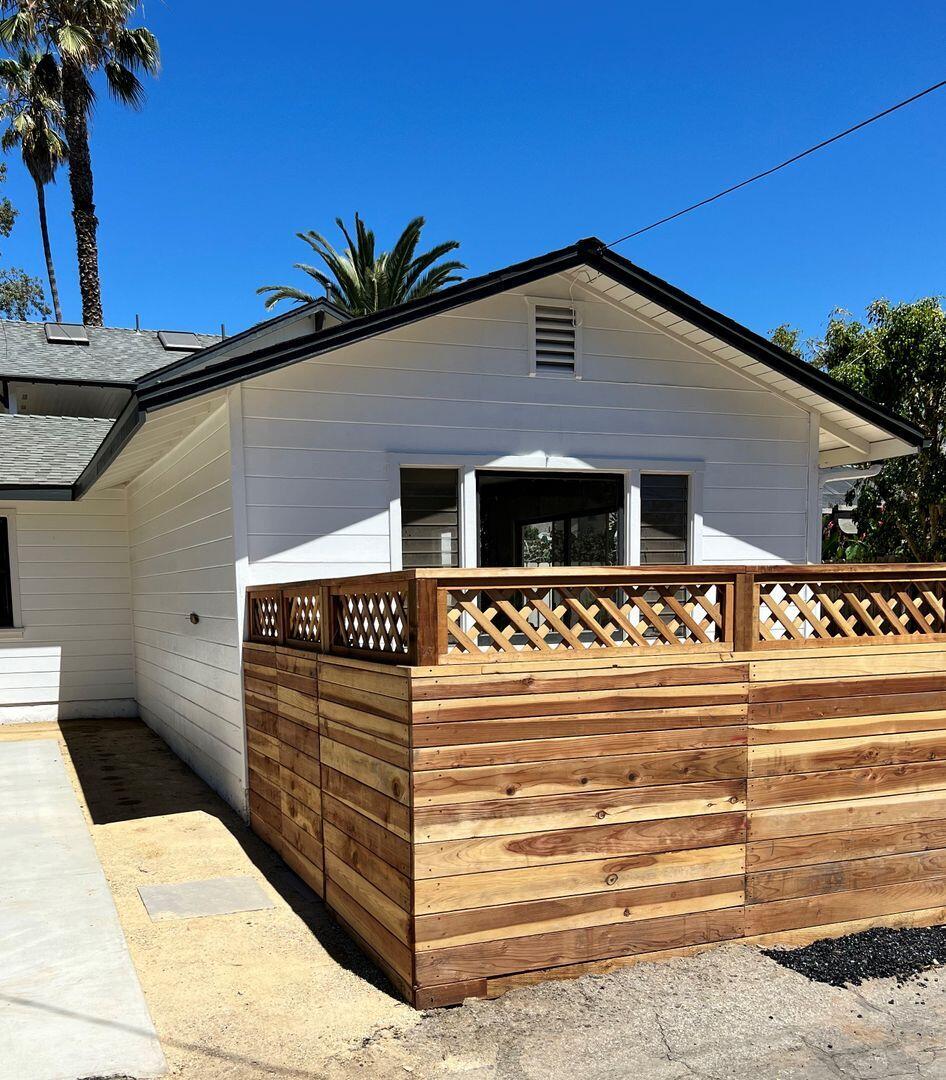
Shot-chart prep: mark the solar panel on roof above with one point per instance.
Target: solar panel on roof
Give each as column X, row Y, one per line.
column 178, row 341
column 61, row 333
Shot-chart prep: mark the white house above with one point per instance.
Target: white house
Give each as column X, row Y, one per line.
column 571, row 408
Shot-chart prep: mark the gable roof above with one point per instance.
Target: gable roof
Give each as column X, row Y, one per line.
column 114, row 355
column 202, row 372
column 47, row 452
column 847, row 419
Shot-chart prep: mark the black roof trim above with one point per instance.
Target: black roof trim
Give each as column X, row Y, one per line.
column 48, row 492
column 128, row 422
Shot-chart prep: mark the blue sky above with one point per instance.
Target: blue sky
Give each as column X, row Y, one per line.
column 517, row 128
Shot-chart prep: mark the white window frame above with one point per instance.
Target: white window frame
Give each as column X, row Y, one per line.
column 694, row 473
column 468, row 465
column 16, row 630
column 555, row 301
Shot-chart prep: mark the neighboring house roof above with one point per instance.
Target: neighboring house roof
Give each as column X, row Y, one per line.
column 47, row 452
column 113, row 354
column 836, row 493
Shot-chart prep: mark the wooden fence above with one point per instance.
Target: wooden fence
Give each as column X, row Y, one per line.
column 678, row 757
column 434, row 617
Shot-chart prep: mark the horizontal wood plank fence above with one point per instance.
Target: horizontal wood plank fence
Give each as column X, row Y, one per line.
column 681, row 757
column 425, row 617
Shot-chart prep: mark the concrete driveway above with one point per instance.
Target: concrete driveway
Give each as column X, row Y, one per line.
column 70, row 1002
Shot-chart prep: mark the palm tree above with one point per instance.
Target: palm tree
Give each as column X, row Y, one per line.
column 360, row 281
column 35, row 117
column 86, row 36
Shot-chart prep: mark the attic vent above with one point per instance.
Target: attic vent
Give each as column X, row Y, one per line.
column 178, row 341
column 62, row 333
column 555, row 338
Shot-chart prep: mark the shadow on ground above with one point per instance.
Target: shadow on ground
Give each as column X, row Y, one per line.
column 127, row 773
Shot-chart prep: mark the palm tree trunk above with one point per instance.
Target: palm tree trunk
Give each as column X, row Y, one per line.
column 47, row 250
column 75, row 98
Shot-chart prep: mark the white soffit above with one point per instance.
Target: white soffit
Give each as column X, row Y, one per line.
column 159, row 434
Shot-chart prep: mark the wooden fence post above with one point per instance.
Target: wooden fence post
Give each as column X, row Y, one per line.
column 422, row 612
column 746, row 621
column 326, row 616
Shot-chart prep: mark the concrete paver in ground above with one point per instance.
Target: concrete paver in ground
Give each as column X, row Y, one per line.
column 198, row 899
column 70, row 1002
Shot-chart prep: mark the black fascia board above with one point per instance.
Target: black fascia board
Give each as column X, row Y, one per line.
column 49, row 492
column 129, row 421
column 59, row 380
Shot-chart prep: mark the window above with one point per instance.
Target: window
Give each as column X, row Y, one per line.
column 555, row 338
column 430, row 518
column 665, row 518
column 6, row 577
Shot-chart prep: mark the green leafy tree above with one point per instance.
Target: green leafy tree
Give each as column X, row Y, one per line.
column 21, row 296
column 34, row 118
column 788, row 338
column 85, row 37
column 361, row 280
column 897, row 357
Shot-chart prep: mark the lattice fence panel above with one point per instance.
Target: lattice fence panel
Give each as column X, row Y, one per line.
column 264, row 616
column 501, row 620
column 371, row 622
column 851, row 610
column 302, row 614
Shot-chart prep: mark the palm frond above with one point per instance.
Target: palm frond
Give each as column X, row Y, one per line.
column 277, row 293
column 362, row 280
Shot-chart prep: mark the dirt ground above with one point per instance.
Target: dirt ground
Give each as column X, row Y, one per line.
column 282, row 993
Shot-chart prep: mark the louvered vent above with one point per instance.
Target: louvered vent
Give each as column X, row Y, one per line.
column 556, row 338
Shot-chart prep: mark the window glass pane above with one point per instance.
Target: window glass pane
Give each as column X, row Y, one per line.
column 6, row 588
column 430, row 529
column 664, row 519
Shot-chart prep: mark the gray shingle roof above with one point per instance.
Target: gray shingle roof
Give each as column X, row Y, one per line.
column 39, row 450
column 112, row 355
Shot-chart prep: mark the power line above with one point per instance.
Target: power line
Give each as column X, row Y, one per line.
column 781, row 165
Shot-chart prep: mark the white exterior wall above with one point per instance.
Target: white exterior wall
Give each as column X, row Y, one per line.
column 182, row 561
column 322, row 438
column 73, row 657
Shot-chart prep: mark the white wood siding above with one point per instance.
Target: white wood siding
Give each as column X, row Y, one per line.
column 74, row 657
column 182, row 561
column 318, row 436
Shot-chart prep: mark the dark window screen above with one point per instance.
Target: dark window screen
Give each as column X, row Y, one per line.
column 6, row 585
column 664, row 519
column 430, row 529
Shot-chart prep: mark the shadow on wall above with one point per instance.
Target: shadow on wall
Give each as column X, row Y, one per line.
column 127, row 774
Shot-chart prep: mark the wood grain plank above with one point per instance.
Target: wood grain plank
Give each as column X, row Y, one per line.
column 845, row 876
column 381, row 841
column 584, row 746
column 444, row 786
column 374, row 804
column 843, row 784
column 448, row 929
column 795, row 851
column 569, row 879
column 568, row 845
column 395, row 885
column 386, row 778
column 808, row 820
column 825, row 755
column 549, row 812
column 572, row 946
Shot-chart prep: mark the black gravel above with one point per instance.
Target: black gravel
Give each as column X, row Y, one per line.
column 872, row 954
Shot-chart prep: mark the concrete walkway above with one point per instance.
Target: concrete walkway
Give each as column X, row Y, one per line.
column 70, row 1002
